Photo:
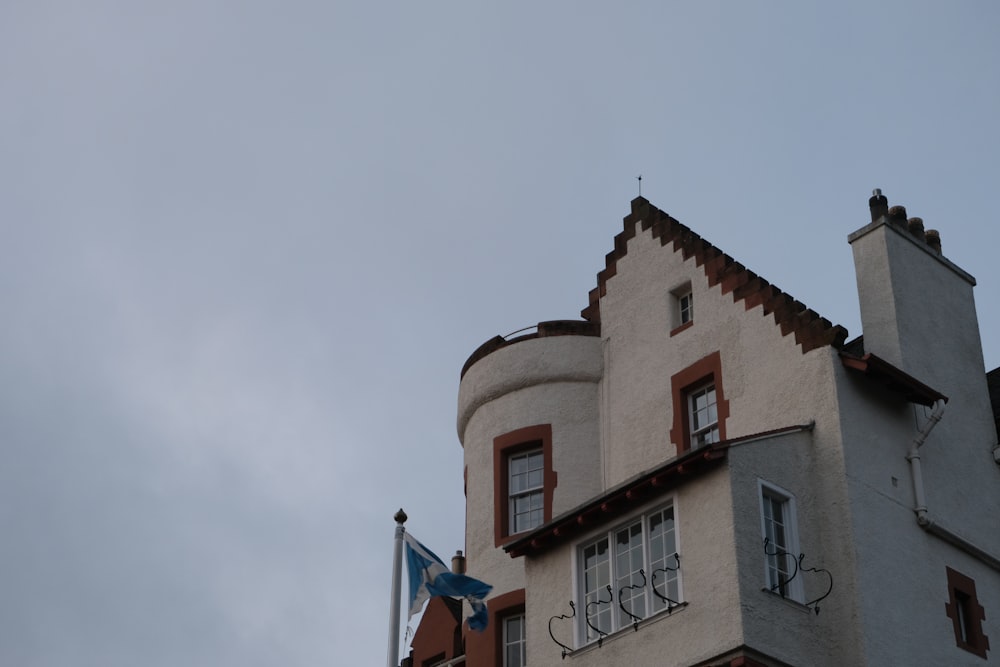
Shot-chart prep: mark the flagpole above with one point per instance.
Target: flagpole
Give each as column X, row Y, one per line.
column 397, row 579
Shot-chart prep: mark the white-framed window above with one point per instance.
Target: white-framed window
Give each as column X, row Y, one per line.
column 703, row 415
column 525, row 486
column 514, row 642
column 781, row 542
column 681, row 306
column 631, row 559
column 685, row 308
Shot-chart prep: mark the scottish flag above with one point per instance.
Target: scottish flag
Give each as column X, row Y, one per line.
column 429, row 577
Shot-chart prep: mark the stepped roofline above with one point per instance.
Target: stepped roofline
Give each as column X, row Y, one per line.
column 811, row 331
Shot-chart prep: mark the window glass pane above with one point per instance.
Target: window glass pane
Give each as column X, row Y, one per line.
column 525, row 484
column 628, row 562
column 597, row 575
column 514, row 641
column 527, row 511
column 662, row 564
column 780, row 561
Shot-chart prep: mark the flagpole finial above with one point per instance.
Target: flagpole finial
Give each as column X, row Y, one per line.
column 400, row 516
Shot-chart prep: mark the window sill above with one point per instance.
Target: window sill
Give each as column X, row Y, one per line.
column 655, row 618
column 677, row 330
column 791, row 602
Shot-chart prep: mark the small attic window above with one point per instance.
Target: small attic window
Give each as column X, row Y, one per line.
column 681, row 308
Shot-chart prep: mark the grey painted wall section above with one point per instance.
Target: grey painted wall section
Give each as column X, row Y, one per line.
column 918, row 311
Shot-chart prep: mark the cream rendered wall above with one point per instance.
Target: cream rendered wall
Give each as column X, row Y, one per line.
column 769, row 384
column 768, row 381
column 709, row 624
column 538, row 381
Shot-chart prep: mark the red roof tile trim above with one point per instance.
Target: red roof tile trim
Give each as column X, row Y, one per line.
column 811, row 331
column 618, row 500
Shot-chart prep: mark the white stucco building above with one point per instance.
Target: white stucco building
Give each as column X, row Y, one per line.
column 705, row 472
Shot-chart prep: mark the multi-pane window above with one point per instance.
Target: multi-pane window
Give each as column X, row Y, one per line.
column 631, row 560
column 685, row 308
column 681, row 308
column 514, row 641
column 780, row 543
column 524, row 484
column 703, row 416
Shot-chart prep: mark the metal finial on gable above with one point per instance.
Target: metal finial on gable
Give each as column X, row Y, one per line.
column 639, row 178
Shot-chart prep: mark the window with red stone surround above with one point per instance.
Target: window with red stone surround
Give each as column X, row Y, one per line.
column 513, row 446
column 485, row 648
column 966, row 614
column 681, row 308
column 695, row 378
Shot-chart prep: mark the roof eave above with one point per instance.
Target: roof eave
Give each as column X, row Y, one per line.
column 892, row 378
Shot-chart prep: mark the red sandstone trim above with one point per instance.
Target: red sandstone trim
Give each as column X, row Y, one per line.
column 677, row 330
column 961, row 585
column 811, row 331
column 702, row 371
column 439, row 635
column 503, row 447
column 619, row 501
column 486, row 647
column 624, row 498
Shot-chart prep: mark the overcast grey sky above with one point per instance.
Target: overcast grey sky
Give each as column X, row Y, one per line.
column 247, row 246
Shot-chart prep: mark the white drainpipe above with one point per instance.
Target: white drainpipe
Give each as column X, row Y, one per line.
column 920, row 502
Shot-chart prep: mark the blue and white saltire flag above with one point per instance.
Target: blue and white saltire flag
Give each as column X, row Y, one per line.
column 428, row 577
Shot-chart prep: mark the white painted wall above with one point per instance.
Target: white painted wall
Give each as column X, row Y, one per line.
column 550, row 380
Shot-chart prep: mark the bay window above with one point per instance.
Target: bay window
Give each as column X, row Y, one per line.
column 629, row 573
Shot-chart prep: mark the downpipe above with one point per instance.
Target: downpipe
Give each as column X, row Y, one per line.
column 924, row 519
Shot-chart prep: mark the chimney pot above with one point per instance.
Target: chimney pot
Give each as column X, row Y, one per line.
column 897, row 216
column 916, row 226
column 933, row 238
column 878, row 204
column 458, row 563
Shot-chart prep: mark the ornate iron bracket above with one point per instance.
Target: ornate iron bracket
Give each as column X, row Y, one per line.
column 797, row 564
column 829, row 589
column 671, row 603
column 601, row 634
column 621, row 600
column 561, row 617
